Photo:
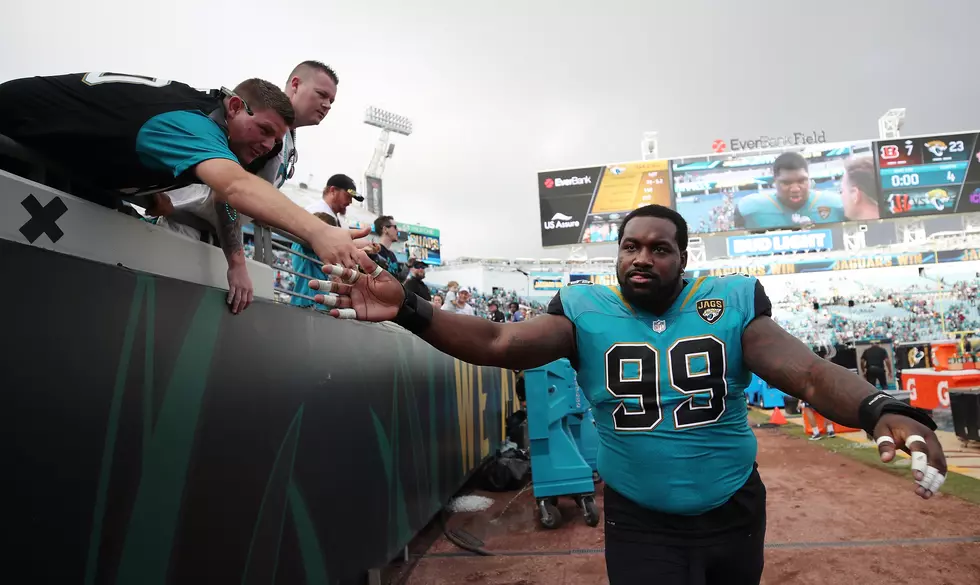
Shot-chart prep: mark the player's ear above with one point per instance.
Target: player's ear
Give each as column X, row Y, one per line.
column 683, row 266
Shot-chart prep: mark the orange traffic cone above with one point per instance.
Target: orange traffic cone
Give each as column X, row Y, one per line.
column 777, row 417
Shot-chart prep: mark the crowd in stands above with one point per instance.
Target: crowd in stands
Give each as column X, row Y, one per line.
column 920, row 312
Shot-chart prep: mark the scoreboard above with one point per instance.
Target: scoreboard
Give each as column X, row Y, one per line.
column 925, row 175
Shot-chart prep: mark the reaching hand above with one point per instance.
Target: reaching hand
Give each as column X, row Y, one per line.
column 377, row 297
column 928, row 460
column 240, row 289
column 336, row 245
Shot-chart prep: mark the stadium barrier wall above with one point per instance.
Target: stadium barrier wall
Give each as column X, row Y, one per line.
column 153, row 437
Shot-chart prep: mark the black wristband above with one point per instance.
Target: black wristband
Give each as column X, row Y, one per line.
column 879, row 404
column 415, row 313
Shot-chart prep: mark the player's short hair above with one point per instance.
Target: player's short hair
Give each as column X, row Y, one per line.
column 663, row 213
column 381, row 222
column 860, row 171
column 306, row 66
column 789, row 161
column 262, row 95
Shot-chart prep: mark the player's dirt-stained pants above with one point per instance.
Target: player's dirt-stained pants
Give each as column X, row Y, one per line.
column 721, row 547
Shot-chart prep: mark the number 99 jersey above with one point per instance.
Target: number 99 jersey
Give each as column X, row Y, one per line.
column 668, row 391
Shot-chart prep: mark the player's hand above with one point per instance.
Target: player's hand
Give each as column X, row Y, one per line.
column 375, row 296
column 240, row 289
column 895, row 431
column 335, row 245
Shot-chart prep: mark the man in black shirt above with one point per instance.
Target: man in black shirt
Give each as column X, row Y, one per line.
column 414, row 282
column 138, row 135
column 877, row 366
column 496, row 315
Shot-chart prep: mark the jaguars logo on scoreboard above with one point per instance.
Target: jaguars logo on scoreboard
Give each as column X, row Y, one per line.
column 711, row 310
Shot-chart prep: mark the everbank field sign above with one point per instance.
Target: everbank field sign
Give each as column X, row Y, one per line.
column 794, row 139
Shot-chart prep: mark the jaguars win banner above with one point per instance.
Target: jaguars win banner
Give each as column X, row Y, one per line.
column 420, row 242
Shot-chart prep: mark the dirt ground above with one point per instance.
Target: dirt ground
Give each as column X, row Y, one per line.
column 831, row 520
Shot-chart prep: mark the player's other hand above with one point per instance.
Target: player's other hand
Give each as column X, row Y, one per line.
column 375, row 296
column 895, row 431
column 336, row 245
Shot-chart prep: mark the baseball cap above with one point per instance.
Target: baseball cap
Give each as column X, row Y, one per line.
column 416, row 263
column 345, row 183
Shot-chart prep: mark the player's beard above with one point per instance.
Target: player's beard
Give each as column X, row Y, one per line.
column 655, row 296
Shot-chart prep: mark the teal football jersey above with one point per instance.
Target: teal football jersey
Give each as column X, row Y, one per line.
column 765, row 210
column 668, row 391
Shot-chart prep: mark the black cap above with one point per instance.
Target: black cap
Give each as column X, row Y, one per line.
column 345, row 183
column 416, row 263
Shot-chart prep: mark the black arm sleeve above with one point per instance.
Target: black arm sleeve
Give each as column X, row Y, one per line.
column 555, row 307
column 762, row 304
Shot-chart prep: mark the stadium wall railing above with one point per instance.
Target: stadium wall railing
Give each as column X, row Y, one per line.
column 154, row 437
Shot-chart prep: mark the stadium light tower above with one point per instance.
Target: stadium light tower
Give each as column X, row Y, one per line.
column 890, row 125
column 388, row 122
column 649, row 146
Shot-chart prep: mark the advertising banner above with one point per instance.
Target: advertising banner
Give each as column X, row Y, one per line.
column 766, row 244
column 583, row 206
column 373, row 196
column 605, row 279
column 544, row 282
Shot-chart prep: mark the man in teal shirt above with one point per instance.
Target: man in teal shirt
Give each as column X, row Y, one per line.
column 792, row 205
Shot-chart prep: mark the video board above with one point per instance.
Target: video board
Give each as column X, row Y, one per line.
column 735, row 191
column 931, row 175
column 740, row 191
column 419, row 242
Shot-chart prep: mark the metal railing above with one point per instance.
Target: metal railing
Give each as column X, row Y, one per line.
column 265, row 247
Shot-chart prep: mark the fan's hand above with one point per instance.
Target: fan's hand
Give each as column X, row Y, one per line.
column 338, row 246
column 375, row 296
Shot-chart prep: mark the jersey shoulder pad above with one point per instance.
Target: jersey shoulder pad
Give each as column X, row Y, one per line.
column 577, row 300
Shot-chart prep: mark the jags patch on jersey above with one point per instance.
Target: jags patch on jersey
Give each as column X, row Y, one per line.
column 710, row 310
column 823, row 212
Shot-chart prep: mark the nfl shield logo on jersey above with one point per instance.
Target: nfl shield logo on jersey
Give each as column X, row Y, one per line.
column 711, row 310
column 659, row 326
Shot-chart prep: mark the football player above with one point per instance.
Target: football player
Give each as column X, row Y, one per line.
column 793, row 205
column 664, row 361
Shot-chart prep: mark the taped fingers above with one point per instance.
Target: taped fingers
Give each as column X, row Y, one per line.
column 346, row 314
column 932, row 479
column 329, row 286
column 332, row 300
column 377, row 271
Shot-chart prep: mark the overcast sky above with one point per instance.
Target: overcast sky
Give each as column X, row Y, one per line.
column 498, row 91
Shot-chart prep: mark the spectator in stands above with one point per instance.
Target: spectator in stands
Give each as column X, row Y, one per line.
column 495, row 314
column 309, row 266
column 337, row 196
column 437, row 301
column 133, row 134
column 311, row 89
column 415, row 281
column 516, row 314
column 387, row 231
column 859, row 189
column 460, row 304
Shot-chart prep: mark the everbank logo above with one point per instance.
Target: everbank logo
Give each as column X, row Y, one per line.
column 550, row 183
column 559, row 221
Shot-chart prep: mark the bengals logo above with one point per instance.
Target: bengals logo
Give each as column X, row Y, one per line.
column 710, row 310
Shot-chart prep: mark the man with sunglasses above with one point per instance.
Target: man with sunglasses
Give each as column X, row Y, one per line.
column 311, row 89
column 132, row 134
column 387, row 231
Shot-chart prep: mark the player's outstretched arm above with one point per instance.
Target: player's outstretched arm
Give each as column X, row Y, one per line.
column 257, row 198
column 380, row 297
column 787, row 363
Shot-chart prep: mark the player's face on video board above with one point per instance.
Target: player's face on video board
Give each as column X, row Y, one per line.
column 313, row 97
column 250, row 137
column 650, row 263
column 793, row 187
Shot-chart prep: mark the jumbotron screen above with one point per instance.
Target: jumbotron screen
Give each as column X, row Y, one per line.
column 735, row 191
column 583, row 206
column 930, row 175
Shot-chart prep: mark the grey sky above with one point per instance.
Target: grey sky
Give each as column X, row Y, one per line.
column 498, row 91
